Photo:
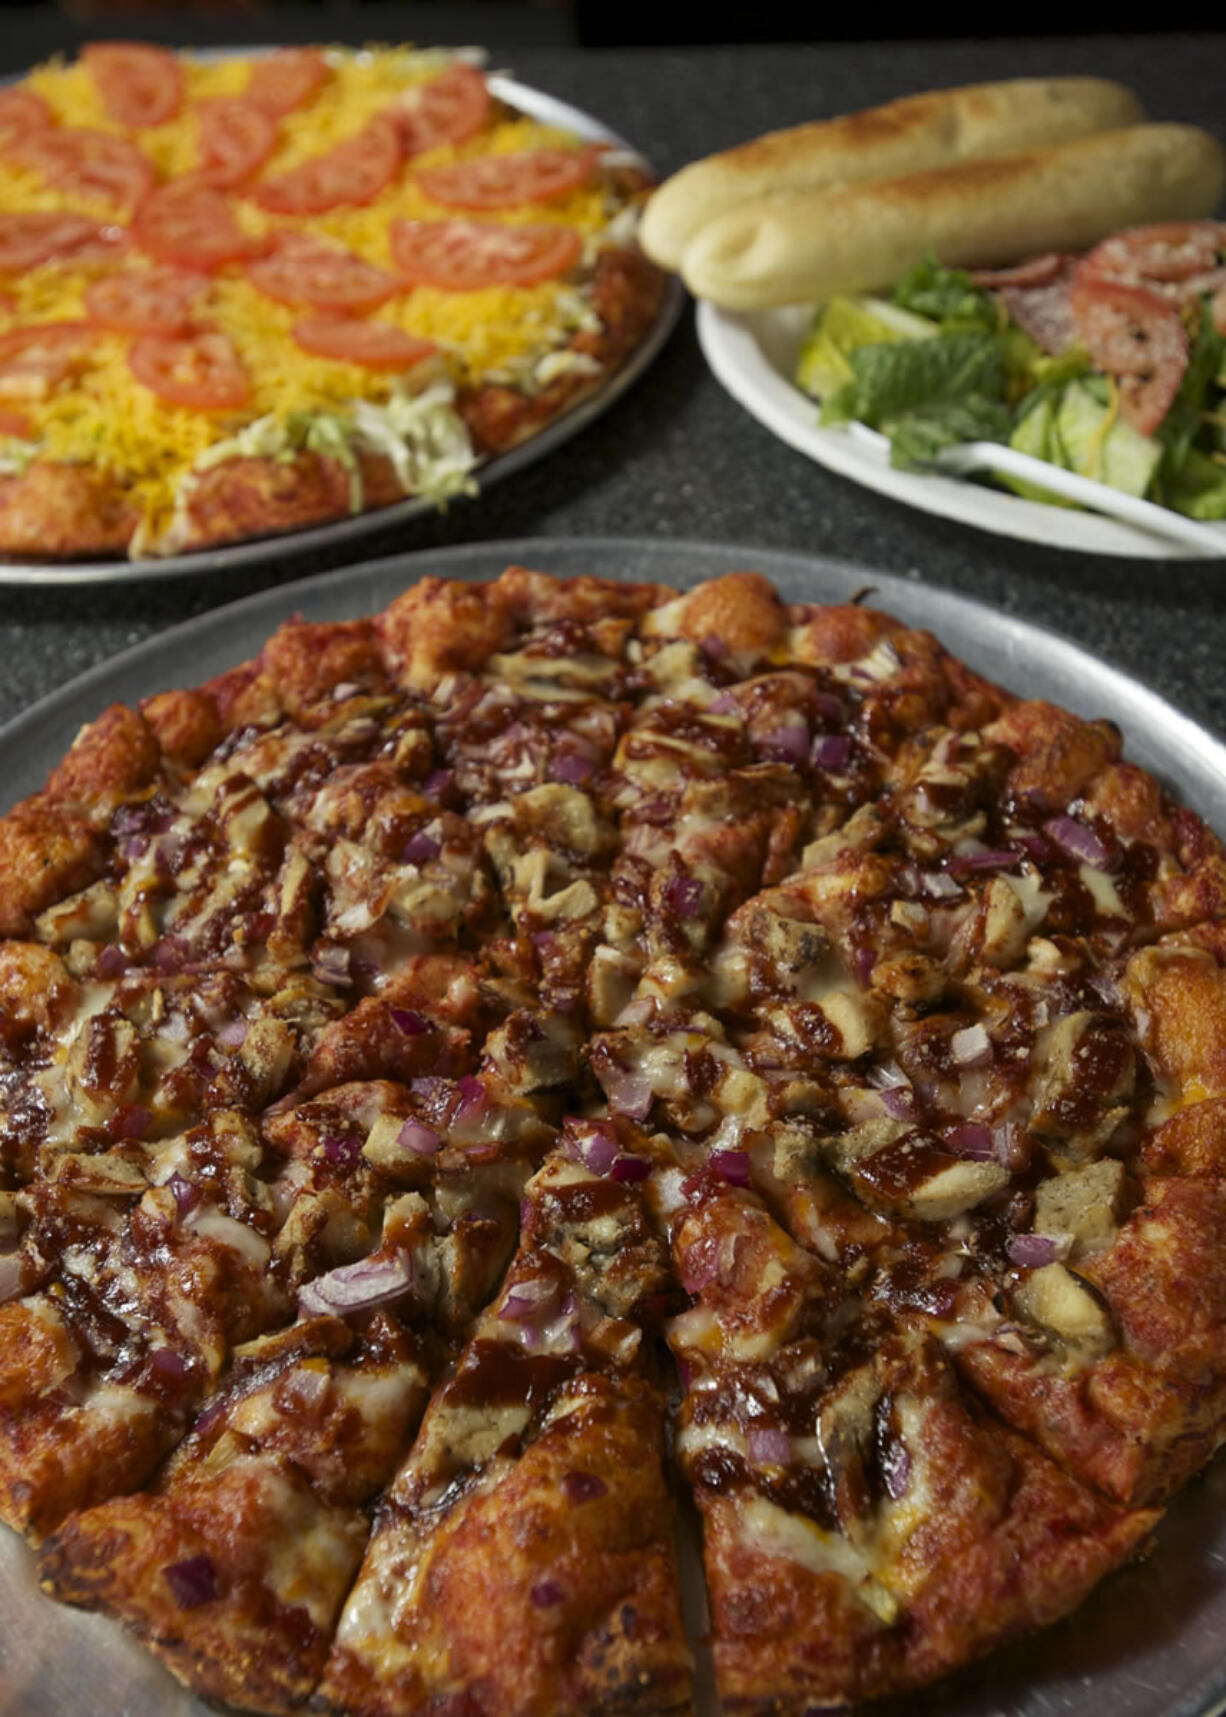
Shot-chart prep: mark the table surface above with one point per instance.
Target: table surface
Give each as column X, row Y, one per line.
column 676, row 457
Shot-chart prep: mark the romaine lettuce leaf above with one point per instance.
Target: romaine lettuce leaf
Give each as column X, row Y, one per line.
column 890, row 381
column 917, row 438
column 948, row 296
column 1198, row 488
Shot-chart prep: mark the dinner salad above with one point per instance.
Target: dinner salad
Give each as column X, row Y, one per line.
column 1111, row 364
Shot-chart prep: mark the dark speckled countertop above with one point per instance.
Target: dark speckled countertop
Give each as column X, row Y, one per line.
column 676, row 457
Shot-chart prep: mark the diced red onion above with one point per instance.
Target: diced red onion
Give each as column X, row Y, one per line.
column 187, row 1194
column 830, row 706
column 546, row 1593
column 193, row 1582
column 724, row 704
column 343, row 1150
column 570, row 768
column 899, row 1101
column 233, row 1034
column 595, row 1149
column 971, row 1047
column 438, row 783
column 10, row 1277
column 683, row 895
column 1078, row 842
column 866, row 959
column 886, row 1075
column 1032, row 1251
column 171, row 954
column 732, row 1166
column 895, row 1468
column 831, row 751
column 415, row 1136
column 112, row 962
column 1009, row 1146
column 420, row 848
column 630, row 1095
column 360, row 1287
column 330, row 963
column 937, row 885
column 410, row 1022
column 998, row 858
column 714, row 646
column 165, row 1363
column 971, row 1140
column 473, row 1097
column 583, row 1487
column 1034, row 846
column 789, row 742
column 627, row 1168
column 523, row 1300
column 769, row 1448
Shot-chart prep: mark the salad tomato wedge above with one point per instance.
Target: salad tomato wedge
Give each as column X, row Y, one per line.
column 37, row 358
column 39, row 236
column 373, row 345
column 1137, row 337
column 21, row 111
column 86, row 163
column 198, row 370
column 1172, row 253
column 140, row 85
column 306, row 270
column 148, row 301
column 192, row 226
column 354, row 172
column 465, row 256
column 287, row 79
column 451, row 108
column 509, row 181
column 236, row 137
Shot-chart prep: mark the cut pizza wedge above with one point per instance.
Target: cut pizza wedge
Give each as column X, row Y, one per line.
column 523, row 1559
column 865, row 1525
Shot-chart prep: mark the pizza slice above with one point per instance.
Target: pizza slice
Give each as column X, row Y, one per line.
column 865, row 1525
column 537, row 1483
column 233, row 1565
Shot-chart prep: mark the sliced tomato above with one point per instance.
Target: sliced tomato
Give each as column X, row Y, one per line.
column 87, row 163
column 306, row 270
column 37, row 358
column 21, row 111
column 1137, row 337
column 145, row 301
column 199, row 370
column 288, row 79
column 451, row 108
column 16, row 423
column 354, row 172
column 236, row 138
column 39, row 236
column 1035, row 271
column 1170, row 251
column 374, row 345
column 464, row 256
column 139, row 84
column 508, row 181
column 192, row 226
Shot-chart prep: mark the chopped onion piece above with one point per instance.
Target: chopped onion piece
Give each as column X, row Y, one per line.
column 971, row 1140
column 999, row 858
column 769, row 1448
column 371, row 1282
column 1078, row 842
column 342, row 1150
column 831, row 751
column 683, row 895
column 524, row 1299
column 1032, row 1251
column 415, row 1136
column 187, row 1193
column 899, row 1101
column 472, row 1094
column 570, row 768
column 596, row 1149
column 732, row 1166
column 410, row 1022
column 420, row 848
column 626, row 1168
column 885, row 1075
column 788, row 743
column 971, row 1047
column 938, row 885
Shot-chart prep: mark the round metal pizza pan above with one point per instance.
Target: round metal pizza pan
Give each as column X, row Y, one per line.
column 1151, row 1641
column 342, row 533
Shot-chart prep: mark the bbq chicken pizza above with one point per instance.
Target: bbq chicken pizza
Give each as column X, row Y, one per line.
column 473, row 1077
column 242, row 296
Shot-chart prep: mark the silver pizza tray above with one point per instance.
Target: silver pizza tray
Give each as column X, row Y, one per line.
column 1151, row 1640
column 342, row 533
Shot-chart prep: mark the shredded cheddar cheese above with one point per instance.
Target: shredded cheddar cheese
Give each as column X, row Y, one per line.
column 101, row 416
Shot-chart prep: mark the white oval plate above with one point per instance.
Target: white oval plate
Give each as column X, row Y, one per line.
column 754, row 356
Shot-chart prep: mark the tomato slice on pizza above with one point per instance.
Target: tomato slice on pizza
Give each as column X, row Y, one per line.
column 371, row 345
column 140, row 85
column 306, row 270
column 450, row 108
column 149, row 301
column 287, row 79
column 96, row 165
column 509, row 181
column 351, row 173
column 468, row 256
column 237, row 136
column 192, row 226
column 21, row 111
